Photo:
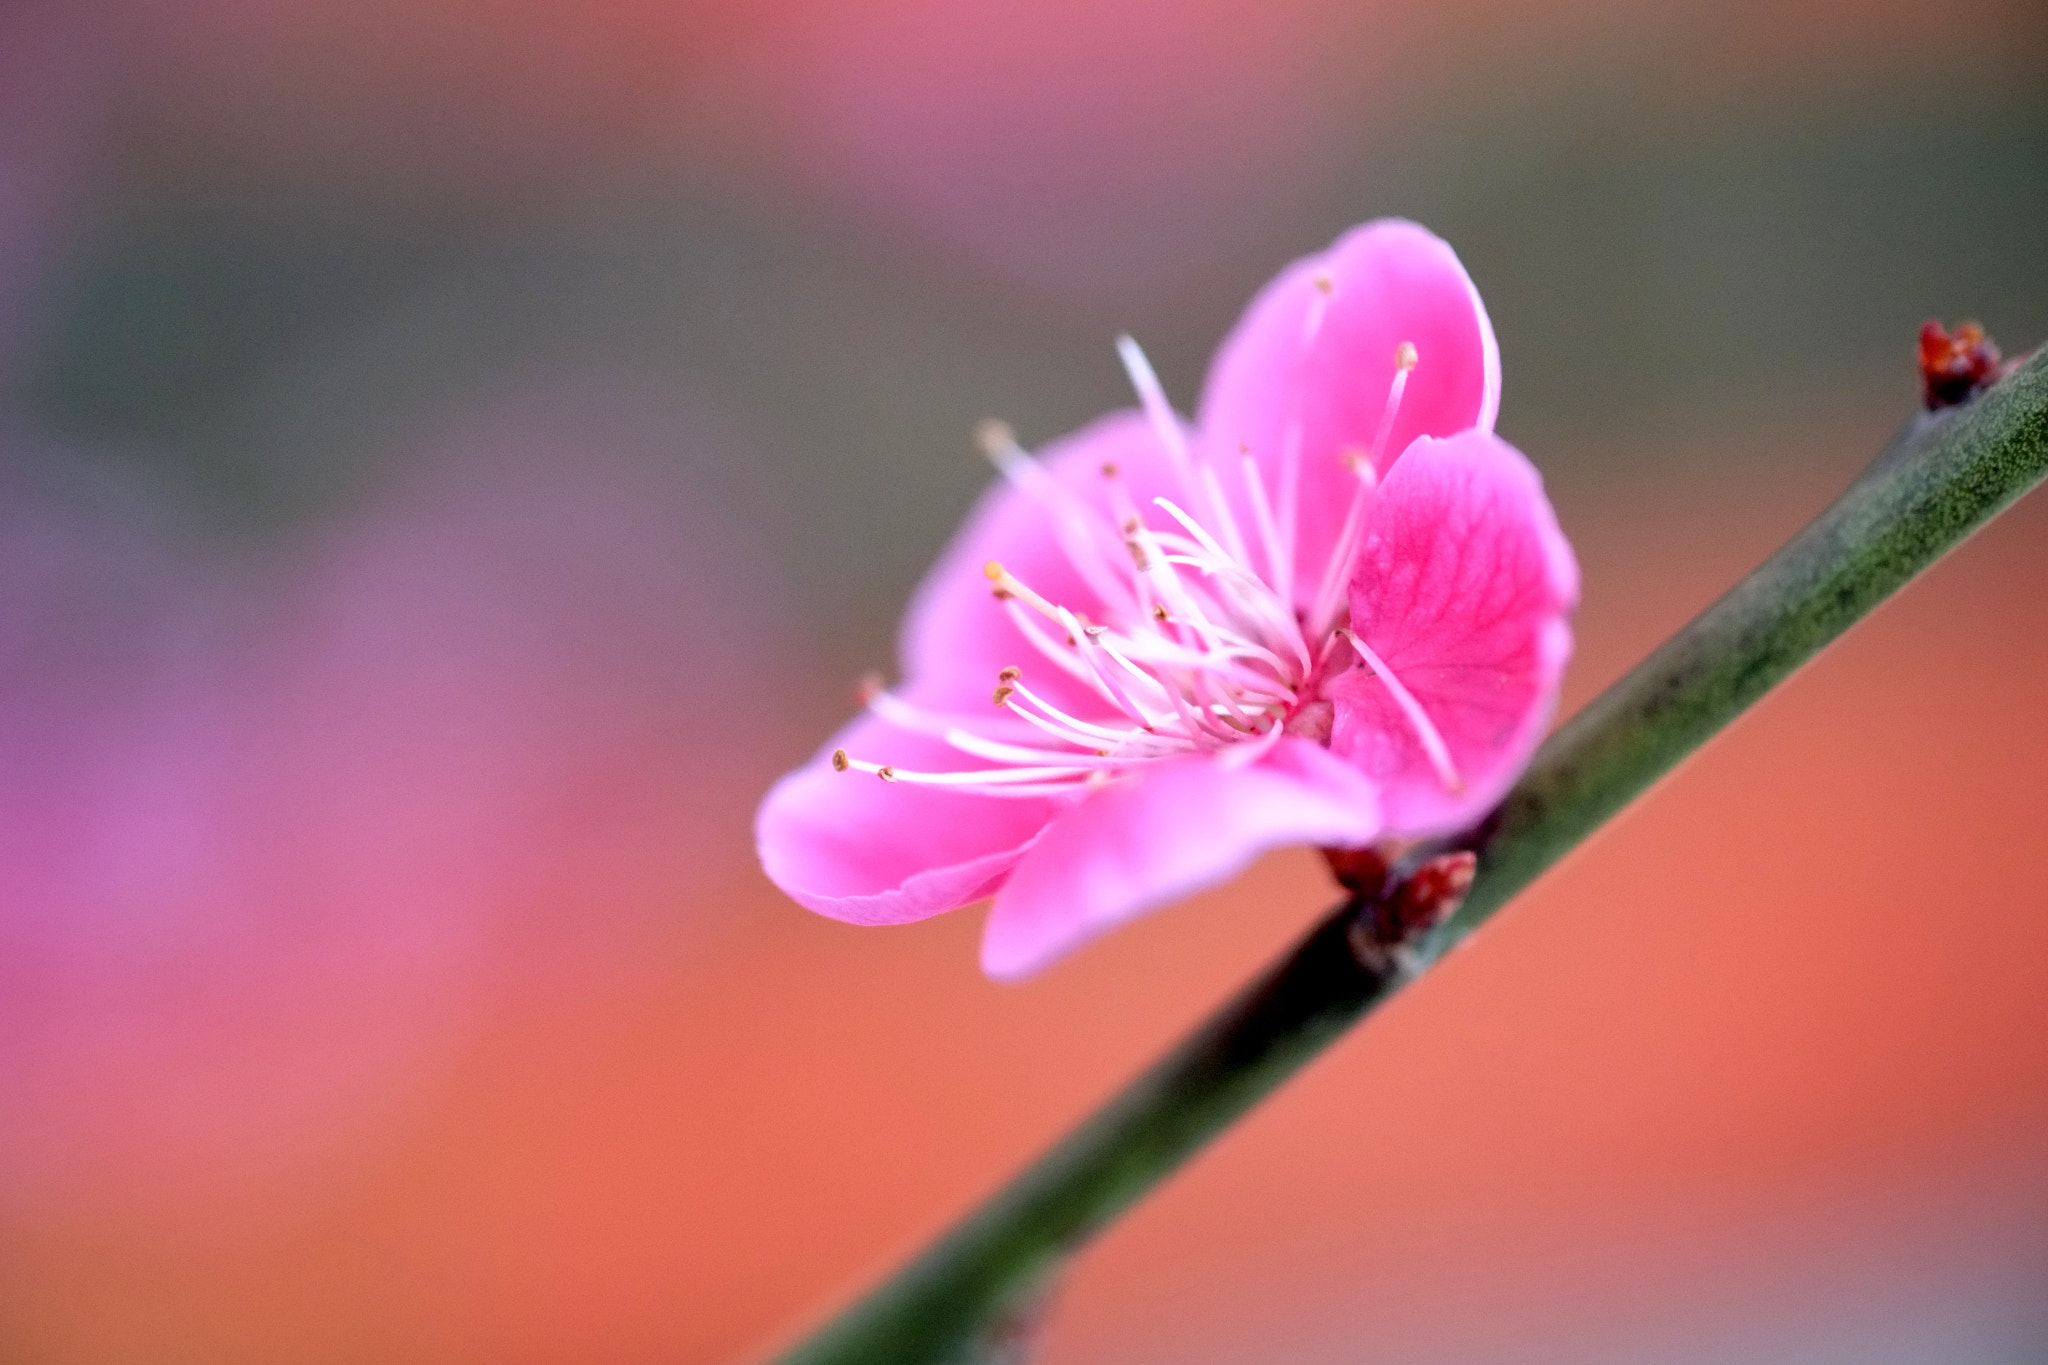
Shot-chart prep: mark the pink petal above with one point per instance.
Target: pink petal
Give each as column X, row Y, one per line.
column 855, row 848
column 1464, row 589
column 1393, row 282
column 956, row 636
column 1165, row 833
column 859, row 849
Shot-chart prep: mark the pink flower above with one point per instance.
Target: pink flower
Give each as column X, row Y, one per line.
column 1332, row 612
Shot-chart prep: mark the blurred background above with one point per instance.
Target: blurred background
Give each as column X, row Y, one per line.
column 453, row 455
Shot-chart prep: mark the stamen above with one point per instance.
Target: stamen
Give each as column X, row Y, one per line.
column 1194, row 528
column 1250, row 752
column 1279, row 569
column 1292, row 433
column 1061, row 718
column 1152, row 396
column 1007, row 782
column 1194, row 474
column 1085, row 640
column 1195, row 653
column 1217, row 702
column 1337, row 573
column 1154, row 563
column 1248, row 594
column 973, row 777
column 1132, row 528
column 1031, row 791
column 967, row 742
column 1090, row 743
column 1157, row 684
column 1166, row 654
column 1226, row 520
column 925, row 721
column 1080, row 529
column 1067, row 661
column 1425, row 730
column 1007, row 585
column 1202, row 732
column 1404, row 362
column 1028, row 772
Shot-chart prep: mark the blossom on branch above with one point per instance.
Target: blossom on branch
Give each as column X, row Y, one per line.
column 1332, row 611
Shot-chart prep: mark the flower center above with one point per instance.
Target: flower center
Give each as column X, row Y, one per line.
column 1200, row 648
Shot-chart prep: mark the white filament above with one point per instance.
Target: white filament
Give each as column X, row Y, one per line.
column 1202, row 651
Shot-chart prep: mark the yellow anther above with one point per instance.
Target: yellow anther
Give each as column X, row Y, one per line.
column 993, row 436
column 840, row 763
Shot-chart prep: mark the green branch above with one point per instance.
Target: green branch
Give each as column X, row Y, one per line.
column 972, row 1295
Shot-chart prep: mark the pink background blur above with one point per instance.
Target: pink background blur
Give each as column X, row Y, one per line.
column 454, row 455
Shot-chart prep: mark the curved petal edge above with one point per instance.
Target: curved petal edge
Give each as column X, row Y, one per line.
column 1166, row 833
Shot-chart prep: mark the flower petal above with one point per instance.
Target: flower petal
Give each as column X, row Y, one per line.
column 1392, row 282
column 1464, row 590
column 1166, row 833
column 956, row 636
column 858, row 849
